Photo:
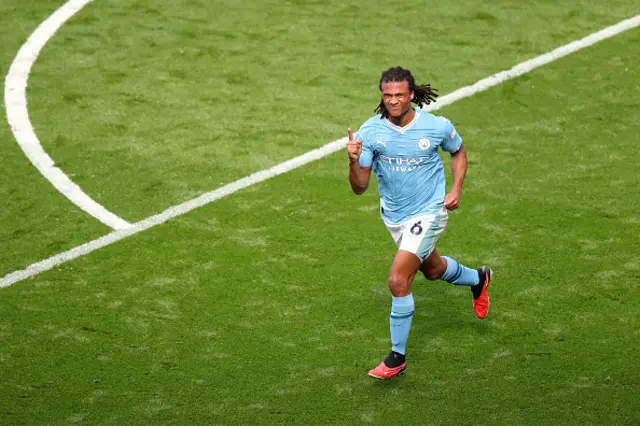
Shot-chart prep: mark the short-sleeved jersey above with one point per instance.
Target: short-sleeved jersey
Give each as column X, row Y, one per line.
column 406, row 162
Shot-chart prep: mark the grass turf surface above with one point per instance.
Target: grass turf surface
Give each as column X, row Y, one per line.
column 269, row 306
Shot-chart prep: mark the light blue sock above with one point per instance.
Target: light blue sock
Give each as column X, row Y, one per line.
column 458, row 274
column 400, row 322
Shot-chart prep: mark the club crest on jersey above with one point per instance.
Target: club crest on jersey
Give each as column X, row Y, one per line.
column 424, row 144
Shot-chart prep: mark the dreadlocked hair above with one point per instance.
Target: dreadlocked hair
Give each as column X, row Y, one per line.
column 423, row 94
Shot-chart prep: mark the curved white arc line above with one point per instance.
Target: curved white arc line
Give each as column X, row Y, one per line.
column 15, row 98
column 294, row 163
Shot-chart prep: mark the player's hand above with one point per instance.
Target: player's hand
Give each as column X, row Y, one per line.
column 354, row 148
column 452, row 200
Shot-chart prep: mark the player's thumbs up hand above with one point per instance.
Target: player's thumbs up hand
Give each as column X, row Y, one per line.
column 354, row 148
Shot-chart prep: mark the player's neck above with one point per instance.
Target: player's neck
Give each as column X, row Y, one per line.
column 404, row 119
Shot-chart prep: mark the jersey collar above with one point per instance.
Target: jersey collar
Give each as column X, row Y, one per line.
column 405, row 128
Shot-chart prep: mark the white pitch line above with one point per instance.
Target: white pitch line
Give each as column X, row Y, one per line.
column 15, row 99
column 310, row 156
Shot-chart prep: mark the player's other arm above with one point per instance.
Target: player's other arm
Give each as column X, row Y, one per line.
column 358, row 175
column 452, row 143
column 459, row 166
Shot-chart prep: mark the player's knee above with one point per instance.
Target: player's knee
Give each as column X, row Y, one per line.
column 432, row 273
column 399, row 285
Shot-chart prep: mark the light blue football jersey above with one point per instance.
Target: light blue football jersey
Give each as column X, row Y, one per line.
column 405, row 160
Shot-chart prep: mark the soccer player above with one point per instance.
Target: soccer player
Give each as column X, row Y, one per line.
column 400, row 145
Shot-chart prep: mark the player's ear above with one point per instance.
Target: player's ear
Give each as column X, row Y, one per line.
column 413, row 94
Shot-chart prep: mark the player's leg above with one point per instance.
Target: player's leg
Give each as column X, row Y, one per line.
column 449, row 270
column 415, row 240
column 434, row 266
column 403, row 270
column 416, row 244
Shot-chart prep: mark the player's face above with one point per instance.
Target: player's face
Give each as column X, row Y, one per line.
column 396, row 97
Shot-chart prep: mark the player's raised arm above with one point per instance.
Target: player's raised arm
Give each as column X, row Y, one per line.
column 358, row 176
column 354, row 148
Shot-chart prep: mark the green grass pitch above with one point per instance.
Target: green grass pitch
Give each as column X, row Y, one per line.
column 268, row 306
